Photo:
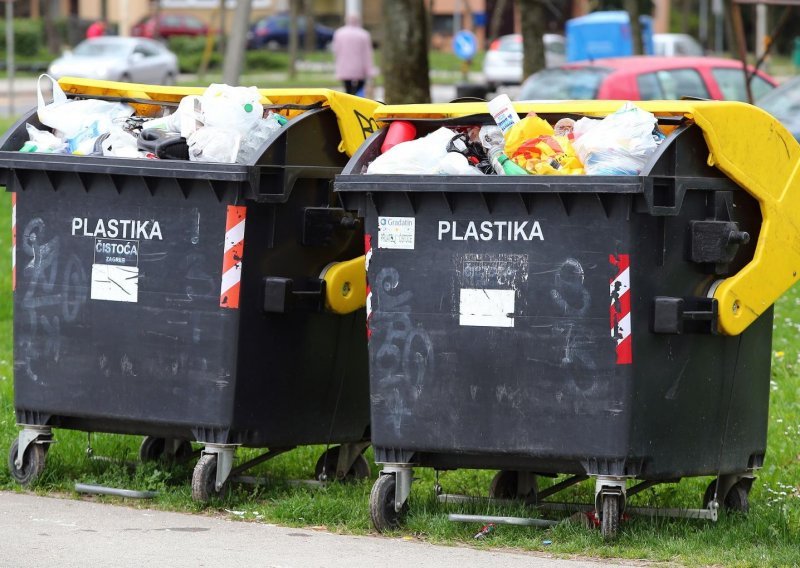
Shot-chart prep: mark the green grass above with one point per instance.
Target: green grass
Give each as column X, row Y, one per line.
column 768, row 536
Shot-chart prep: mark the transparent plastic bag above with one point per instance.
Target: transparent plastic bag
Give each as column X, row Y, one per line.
column 256, row 136
column 212, row 144
column 620, row 144
column 71, row 117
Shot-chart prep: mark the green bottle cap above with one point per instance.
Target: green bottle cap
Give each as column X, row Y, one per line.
column 248, row 107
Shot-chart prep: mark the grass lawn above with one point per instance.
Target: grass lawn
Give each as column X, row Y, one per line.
column 768, row 536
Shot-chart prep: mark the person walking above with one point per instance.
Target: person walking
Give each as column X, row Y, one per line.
column 352, row 50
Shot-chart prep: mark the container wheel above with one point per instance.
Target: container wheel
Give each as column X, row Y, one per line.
column 33, row 461
column 326, row 466
column 153, row 449
column 204, row 479
column 504, row 486
column 381, row 505
column 737, row 499
column 609, row 523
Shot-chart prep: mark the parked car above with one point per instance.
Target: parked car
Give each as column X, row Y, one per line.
column 645, row 78
column 502, row 64
column 114, row 58
column 273, row 33
column 784, row 104
column 672, row 45
column 168, row 25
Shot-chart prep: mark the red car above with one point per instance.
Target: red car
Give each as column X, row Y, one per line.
column 169, row 25
column 645, row 78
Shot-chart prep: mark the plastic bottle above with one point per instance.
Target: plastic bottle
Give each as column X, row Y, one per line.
column 503, row 112
column 492, row 140
column 503, row 165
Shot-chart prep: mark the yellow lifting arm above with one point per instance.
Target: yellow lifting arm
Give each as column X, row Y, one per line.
column 346, row 285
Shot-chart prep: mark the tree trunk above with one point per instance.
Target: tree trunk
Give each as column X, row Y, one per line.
column 50, row 31
column 405, row 52
column 497, row 20
column 310, row 43
column 234, row 54
column 532, row 14
column 632, row 7
column 686, row 10
column 293, row 37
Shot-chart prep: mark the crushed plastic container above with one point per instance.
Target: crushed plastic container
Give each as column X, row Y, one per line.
column 616, row 328
column 191, row 301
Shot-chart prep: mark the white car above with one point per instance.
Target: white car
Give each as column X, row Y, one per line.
column 673, row 45
column 129, row 59
column 502, row 64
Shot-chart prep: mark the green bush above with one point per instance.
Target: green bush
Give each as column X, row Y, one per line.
column 264, row 61
column 28, row 36
column 187, row 45
column 190, row 62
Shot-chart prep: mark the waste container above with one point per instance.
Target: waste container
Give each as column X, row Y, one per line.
column 191, row 301
column 605, row 327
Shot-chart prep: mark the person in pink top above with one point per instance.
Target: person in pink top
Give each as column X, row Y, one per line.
column 352, row 50
column 96, row 29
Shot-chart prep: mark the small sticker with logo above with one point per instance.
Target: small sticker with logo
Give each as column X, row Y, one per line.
column 396, row 233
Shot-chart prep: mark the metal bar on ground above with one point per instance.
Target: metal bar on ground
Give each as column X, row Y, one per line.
column 114, row 491
column 521, row 521
column 255, row 461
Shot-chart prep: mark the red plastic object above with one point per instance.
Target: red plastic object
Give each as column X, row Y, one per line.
column 399, row 131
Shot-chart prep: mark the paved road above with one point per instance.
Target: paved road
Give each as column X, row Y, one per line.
column 44, row 531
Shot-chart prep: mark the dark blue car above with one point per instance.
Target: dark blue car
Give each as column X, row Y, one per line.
column 273, row 33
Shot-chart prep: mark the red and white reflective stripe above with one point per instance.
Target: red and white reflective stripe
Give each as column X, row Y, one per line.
column 367, row 259
column 232, row 259
column 13, row 241
column 620, row 309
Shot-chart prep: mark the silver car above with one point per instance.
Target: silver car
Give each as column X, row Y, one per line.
column 502, row 64
column 129, row 59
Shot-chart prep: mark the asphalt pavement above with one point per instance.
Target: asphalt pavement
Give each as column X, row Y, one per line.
column 68, row 533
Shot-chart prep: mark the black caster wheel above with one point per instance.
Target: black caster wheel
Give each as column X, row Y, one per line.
column 737, row 499
column 154, row 449
column 325, row 470
column 609, row 517
column 33, row 461
column 204, row 480
column 504, row 486
column 381, row 505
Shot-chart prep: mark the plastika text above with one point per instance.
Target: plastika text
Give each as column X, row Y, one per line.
column 490, row 230
column 116, row 228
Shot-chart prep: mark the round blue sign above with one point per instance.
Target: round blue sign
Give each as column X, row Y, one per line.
column 465, row 45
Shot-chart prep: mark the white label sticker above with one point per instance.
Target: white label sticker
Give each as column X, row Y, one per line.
column 115, row 283
column 396, row 233
column 487, row 308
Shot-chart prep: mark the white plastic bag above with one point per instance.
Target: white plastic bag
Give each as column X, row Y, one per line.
column 455, row 164
column 234, row 108
column 120, row 144
column 42, row 141
column 212, row 144
column 416, row 157
column 620, row 144
column 70, row 117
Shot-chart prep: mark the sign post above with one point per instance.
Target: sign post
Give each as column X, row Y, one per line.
column 465, row 46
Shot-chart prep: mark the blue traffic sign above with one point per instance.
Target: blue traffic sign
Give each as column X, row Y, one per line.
column 465, row 45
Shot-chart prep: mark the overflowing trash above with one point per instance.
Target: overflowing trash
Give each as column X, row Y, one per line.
column 224, row 124
column 619, row 144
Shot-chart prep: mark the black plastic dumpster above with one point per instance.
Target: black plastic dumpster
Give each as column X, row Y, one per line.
column 190, row 301
column 545, row 325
